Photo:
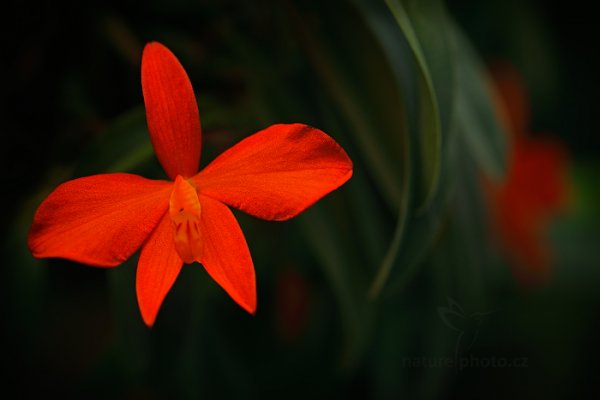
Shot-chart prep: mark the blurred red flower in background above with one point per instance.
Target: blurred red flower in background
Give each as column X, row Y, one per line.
column 102, row 220
column 535, row 189
column 292, row 305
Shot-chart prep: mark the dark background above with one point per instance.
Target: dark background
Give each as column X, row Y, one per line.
column 72, row 68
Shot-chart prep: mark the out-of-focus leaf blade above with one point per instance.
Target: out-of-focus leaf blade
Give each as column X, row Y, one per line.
column 424, row 27
column 422, row 60
column 476, row 118
column 423, row 228
column 370, row 217
column 398, row 55
column 468, row 230
column 332, row 256
column 325, row 236
column 364, row 92
column 360, row 88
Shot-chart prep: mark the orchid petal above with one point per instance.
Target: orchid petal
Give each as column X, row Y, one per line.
column 225, row 256
column 99, row 220
column 276, row 173
column 158, row 268
column 171, row 111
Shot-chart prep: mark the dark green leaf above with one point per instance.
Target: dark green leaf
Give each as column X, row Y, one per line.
column 360, row 88
column 424, row 27
column 476, row 118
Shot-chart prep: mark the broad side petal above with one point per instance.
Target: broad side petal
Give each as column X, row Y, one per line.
column 99, row 220
column 226, row 257
column 158, row 268
column 171, row 111
column 278, row 172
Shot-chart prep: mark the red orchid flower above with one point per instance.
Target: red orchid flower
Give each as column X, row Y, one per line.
column 102, row 220
column 535, row 188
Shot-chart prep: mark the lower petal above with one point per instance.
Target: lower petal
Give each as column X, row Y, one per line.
column 225, row 256
column 158, row 268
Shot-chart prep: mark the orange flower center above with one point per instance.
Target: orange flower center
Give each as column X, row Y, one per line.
column 185, row 212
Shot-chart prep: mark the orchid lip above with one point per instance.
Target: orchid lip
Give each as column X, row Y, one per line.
column 185, row 212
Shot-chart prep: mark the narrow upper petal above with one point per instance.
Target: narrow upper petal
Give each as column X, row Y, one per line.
column 171, row 111
column 99, row 220
column 225, row 254
column 278, row 172
column 158, row 268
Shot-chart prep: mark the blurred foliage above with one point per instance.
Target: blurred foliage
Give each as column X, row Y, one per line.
column 349, row 291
